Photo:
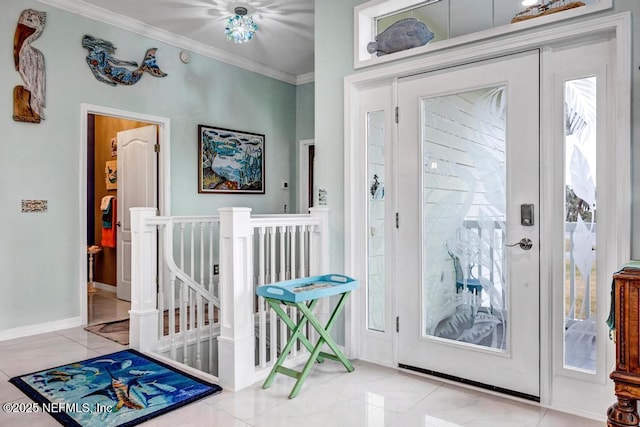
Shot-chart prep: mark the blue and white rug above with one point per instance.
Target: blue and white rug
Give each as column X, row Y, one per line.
column 119, row 389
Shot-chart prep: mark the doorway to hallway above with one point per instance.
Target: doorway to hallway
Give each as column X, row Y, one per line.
column 126, row 160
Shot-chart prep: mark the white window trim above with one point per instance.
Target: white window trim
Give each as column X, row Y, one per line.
column 364, row 20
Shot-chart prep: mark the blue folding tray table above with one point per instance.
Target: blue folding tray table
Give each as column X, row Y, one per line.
column 304, row 294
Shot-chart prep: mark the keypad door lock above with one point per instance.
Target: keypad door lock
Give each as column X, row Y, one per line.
column 526, row 215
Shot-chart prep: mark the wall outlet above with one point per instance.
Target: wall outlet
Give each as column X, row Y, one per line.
column 216, row 269
column 284, row 185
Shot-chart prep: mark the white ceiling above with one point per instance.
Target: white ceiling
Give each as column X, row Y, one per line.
column 282, row 47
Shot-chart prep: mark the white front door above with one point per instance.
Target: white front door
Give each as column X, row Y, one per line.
column 137, row 187
column 468, row 180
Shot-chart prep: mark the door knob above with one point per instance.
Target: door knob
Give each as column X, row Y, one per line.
column 118, row 223
column 524, row 243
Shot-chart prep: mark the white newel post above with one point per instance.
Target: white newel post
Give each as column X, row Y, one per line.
column 320, row 263
column 143, row 329
column 236, row 343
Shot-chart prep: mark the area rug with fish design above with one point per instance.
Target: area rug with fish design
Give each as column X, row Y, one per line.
column 119, row 389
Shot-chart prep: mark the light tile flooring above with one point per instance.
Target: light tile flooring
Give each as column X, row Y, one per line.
column 103, row 306
column 371, row 396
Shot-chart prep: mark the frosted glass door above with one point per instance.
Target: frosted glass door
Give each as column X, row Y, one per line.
column 464, row 217
column 376, row 220
column 468, row 164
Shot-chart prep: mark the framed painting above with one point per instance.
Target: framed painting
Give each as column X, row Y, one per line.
column 230, row 161
column 111, row 174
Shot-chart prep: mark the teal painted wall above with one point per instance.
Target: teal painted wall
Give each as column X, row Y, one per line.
column 39, row 252
column 305, row 111
column 334, row 61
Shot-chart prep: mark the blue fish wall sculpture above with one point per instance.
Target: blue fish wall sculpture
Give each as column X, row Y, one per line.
column 109, row 69
column 404, row 34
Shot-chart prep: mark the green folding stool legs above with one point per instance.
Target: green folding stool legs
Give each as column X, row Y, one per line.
column 304, row 294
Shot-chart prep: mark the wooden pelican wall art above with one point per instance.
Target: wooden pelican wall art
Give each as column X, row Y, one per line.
column 104, row 65
column 29, row 100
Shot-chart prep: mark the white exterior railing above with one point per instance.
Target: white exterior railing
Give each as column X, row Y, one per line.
column 219, row 327
column 585, row 310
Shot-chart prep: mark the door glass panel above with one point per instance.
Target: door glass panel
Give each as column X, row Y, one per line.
column 464, row 217
column 376, row 219
column 580, row 224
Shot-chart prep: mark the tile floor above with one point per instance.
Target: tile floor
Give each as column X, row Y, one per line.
column 103, row 306
column 371, row 396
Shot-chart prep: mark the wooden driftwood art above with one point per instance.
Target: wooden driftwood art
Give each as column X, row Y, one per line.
column 29, row 100
column 553, row 6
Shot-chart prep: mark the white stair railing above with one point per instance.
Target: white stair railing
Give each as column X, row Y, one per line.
column 188, row 295
column 285, row 248
column 185, row 302
column 181, row 312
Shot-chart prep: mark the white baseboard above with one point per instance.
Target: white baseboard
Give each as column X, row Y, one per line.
column 105, row 287
column 40, row 328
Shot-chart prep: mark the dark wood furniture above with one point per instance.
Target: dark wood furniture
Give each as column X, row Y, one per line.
column 626, row 375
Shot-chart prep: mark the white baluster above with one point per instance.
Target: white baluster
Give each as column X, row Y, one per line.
column 192, row 252
column 211, row 230
column 172, row 317
column 181, row 246
column 262, row 314
column 184, row 301
column 262, row 332
column 272, row 255
column 201, row 279
column 199, row 329
column 273, row 336
column 283, row 247
column 301, row 257
column 292, row 251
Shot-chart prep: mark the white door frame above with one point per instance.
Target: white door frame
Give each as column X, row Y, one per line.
column 543, row 37
column 164, row 180
column 303, row 174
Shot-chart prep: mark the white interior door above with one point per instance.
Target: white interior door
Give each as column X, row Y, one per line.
column 137, row 187
column 468, row 155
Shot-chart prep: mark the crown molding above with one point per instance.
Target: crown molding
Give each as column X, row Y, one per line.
column 305, row 78
column 96, row 13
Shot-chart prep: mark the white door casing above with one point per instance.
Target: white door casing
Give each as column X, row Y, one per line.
column 377, row 331
column 617, row 29
column 137, row 187
column 164, row 181
column 304, row 145
column 591, row 59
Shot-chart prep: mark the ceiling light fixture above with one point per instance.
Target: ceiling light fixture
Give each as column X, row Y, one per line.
column 240, row 27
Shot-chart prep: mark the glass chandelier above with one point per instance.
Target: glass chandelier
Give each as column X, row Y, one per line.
column 240, row 27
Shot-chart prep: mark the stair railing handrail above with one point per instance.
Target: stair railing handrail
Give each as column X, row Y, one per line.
column 169, row 222
column 280, row 220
